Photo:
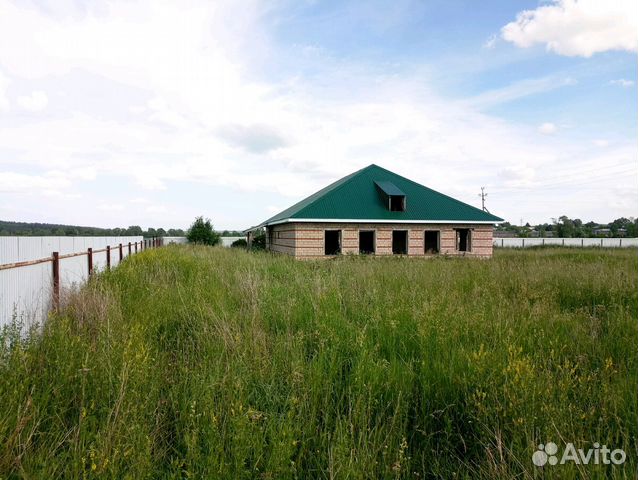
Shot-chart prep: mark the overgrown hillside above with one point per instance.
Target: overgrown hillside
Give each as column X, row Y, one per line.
column 191, row 362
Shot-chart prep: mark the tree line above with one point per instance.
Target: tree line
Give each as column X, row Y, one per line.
column 565, row 227
column 29, row 229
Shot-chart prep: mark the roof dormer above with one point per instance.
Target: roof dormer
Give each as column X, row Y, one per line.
column 391, row 196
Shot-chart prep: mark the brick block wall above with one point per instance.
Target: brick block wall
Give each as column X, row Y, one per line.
column 306, row 240
column 282, row 239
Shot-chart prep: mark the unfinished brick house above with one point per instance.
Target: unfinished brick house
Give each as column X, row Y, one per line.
column 375, row 211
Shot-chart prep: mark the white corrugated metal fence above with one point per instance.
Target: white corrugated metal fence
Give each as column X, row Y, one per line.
column 26, row 291
column 517, row 242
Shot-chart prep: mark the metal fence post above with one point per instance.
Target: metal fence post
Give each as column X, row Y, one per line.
column 108, row 257
column 56, row 281
column 90, row 260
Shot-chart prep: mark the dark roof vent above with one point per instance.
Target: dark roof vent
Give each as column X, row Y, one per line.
column 391, row 196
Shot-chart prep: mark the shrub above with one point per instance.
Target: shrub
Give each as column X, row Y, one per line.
column 241, row 243
column 259, row 240
column 201, row 232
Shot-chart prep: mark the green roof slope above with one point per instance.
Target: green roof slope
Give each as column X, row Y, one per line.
column 355, row 197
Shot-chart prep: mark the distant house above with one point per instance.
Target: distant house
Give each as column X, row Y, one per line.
column 375, row 211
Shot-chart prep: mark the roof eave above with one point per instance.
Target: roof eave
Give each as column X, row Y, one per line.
column 370, row 220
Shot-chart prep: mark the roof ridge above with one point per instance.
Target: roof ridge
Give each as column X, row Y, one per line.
column 435, row 191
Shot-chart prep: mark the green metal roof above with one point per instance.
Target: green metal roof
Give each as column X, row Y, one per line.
column 355, row 197
column 390, row 189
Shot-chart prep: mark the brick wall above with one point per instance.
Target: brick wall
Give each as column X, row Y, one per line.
column 306, row 240
column 281, row 238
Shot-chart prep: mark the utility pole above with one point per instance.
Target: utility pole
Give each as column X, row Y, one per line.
column 483, row 195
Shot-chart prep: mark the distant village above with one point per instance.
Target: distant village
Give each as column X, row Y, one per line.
column 565, row 227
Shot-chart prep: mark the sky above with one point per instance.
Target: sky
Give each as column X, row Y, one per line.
column 151, row 112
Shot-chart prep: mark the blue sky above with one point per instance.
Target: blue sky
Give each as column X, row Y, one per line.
column 152, row 112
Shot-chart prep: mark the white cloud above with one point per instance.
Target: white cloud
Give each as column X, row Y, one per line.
column 156, row 209
column 600, row 142
column 110, row 207
column 35, row 102
column 520, row 89
column 547, row 128
column 199, row 116
column 13, row 182
column 621, row 82
column 4, row 100
column 577, row 27
column 490, row 42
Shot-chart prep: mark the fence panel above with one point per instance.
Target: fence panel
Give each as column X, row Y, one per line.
column 26, row 291
column 516, row 242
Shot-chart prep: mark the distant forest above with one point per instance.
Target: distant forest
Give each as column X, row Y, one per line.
column 566, row 227
column 27, row 229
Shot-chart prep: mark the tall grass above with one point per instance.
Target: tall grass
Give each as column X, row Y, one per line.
column 196, row 362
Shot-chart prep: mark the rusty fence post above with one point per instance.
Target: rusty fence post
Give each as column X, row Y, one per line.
column 56, row 281
column 90, row 260
column 121, row 253
column 108, row 257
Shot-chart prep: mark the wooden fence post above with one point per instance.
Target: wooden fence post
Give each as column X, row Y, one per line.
column 108, row 257
column 90, row 260
column 129, row 249
column 56, row 281
column 135, row 247
column 121, row 255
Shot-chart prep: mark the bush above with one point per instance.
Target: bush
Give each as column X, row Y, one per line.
column 259, row 240
column 201, row 232
column 241, row 243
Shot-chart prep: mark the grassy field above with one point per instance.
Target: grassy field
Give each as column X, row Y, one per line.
column 216, row 363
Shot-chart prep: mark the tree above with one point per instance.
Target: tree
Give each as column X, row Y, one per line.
column 565, row 227
column 201, row 231
column 134, row 230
